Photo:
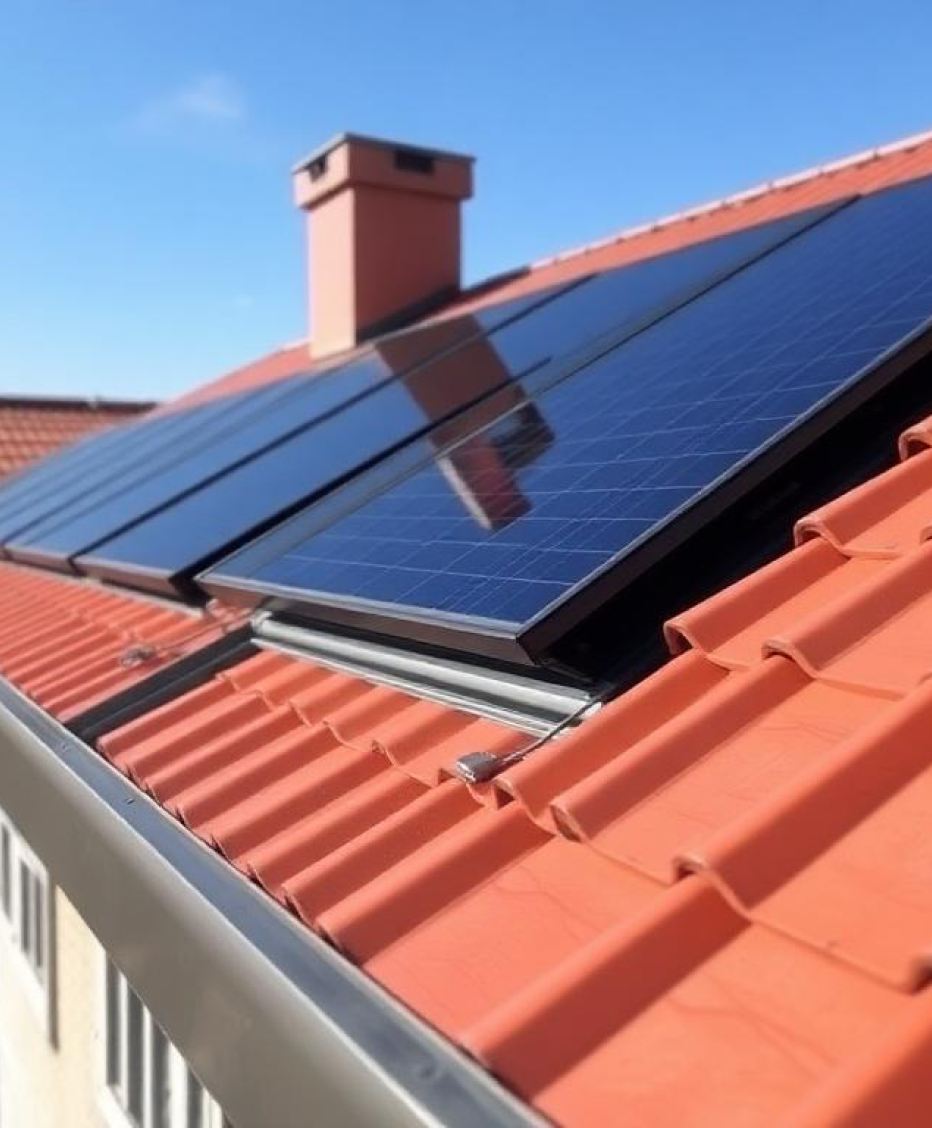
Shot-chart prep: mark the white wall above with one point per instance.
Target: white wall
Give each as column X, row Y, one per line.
column 50, row 1064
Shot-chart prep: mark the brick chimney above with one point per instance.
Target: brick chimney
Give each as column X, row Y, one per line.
column 383, row 234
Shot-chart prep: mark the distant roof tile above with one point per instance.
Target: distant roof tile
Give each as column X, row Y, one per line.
column 30, row 429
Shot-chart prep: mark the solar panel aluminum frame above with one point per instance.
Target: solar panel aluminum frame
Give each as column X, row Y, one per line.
column 530, row 643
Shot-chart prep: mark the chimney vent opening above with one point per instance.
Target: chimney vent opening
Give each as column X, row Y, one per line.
column 410, row 160
column 317, row 167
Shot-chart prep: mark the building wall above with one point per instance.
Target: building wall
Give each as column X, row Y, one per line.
column 50, row 1065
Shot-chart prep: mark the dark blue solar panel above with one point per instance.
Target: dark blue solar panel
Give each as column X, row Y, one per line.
column 543, row 336
column 224, row 434
column 514, row 522
column 117, row 459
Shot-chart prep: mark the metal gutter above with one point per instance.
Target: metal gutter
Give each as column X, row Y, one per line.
column 531, row 704
column 280, row 1028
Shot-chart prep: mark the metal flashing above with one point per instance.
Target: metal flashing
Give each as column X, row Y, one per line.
column 164, row 685
column 527, row 703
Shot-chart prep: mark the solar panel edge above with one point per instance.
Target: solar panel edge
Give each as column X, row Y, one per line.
column 455, row 634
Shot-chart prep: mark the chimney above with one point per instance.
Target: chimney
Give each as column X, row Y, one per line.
column 383, row 234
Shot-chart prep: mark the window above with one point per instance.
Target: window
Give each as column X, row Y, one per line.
column 25, row 901
column 147, row 1082
column 6, row 870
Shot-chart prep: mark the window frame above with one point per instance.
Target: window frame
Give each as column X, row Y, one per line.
column 158, row 1057
column 27, row 921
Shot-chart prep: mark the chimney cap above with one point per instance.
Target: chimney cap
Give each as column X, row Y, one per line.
column 366, row 141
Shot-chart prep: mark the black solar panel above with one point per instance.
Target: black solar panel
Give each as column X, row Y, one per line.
column 506, row 534
column 494, row 348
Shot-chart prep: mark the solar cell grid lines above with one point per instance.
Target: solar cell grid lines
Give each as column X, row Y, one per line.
column 635, row 438
column 441, row 370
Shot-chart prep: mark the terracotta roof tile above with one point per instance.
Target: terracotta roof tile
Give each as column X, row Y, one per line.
column 70, row 645
column 882, row 518
column 32, row 429
column 684, row 1015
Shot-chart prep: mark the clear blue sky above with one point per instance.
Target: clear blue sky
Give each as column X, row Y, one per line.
column 147, row 239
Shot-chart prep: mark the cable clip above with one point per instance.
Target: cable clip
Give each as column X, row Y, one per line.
column 137, row 655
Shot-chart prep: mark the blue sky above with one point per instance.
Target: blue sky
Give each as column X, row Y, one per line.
column 147, row 238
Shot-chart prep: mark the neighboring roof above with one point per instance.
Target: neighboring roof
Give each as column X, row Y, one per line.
column 707, row 904
column 32, row 428
column 864, row 172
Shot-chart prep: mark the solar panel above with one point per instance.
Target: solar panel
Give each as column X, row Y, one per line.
column 516, row 346
column 516, row 532
column 117, row 460
column 81, row 512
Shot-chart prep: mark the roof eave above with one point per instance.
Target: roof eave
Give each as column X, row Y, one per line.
column 261, row 1008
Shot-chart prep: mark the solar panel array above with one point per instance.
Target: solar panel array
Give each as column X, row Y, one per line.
column 144, row 476
column 524, row 345
column 153, row 504
column 510, row 525
column 477, row 473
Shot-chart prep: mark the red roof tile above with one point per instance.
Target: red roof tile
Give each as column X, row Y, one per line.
column 69, row 644
column 279, row 365
column 30, row 429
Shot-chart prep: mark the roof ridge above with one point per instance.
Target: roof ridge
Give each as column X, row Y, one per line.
column 735, row 199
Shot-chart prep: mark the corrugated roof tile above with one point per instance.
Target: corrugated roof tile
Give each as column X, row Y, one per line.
column 883, row 518
column 734, row 627
column 684, row 1015
column 711, row 764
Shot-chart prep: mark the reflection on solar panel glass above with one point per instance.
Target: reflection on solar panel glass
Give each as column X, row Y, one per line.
column 474, row 355
column 516, row 520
